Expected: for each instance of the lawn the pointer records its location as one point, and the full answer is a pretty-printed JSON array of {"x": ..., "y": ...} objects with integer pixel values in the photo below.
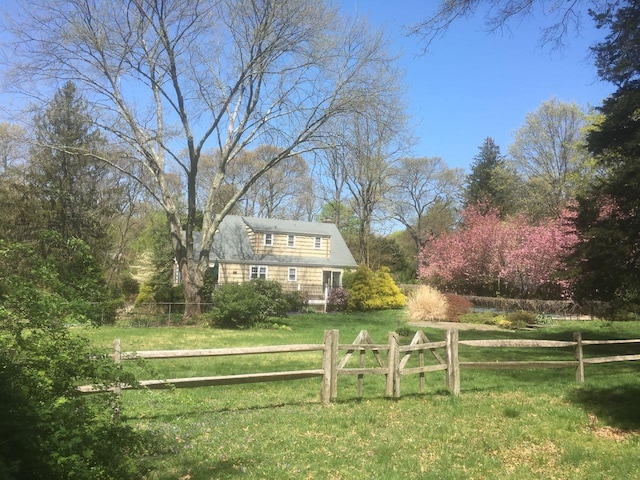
[{"x": 505, "y": 424}]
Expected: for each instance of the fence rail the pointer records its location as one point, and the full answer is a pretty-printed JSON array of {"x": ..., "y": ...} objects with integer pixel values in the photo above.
[{"x": 394, "y": 363}]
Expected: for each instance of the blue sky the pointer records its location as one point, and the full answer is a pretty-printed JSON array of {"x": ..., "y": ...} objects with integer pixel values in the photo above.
[{"x": 472, "y": 84}]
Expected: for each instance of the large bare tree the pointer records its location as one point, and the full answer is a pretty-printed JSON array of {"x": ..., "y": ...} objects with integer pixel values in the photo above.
[
  {"x": 171, "y": 78},
  {"x": 560, "y": 18},
  {"x": 421, "y": 189}
]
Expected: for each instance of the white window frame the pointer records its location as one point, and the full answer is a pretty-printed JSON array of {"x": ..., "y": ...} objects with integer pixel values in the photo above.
[
  {"x": 317, "y": 242},
  {"x": 291, "y": 241},
  {"x": 261, "y": 272},
  {"x": 293, "y": 270},
  {"x": 268, "y": 239}
]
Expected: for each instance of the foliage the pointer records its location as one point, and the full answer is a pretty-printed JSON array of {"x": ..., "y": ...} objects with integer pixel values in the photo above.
[
  {"x": 164, "y": 293},
  {"x": 244, "y": 305},
  {"x": 145, "y": 295},
  {"x": 272, "y": 300},
  {"x": 549, "y": 155},
  {"x": 427, "y": 304},
  {"x": 607, "y": 262},
  {"x": 369, "y": 290},
  {"x": 521, "y": 318},
  {"x": 297, "y": 301},
  {"x": 130, "y": 286},
  {"x": 543, "y": 319},
  {"x": 486, "y": 184},
  {"x": 488, "y": 255},
  {"x": 480, "y": 318},
  {"x": 78, "y": 194},
  {"x": 338, "y": 300},
  {"x": 456, "y": 306},
  {"x": 47, "y": 430},
  {"x": 234, "y": 305}
]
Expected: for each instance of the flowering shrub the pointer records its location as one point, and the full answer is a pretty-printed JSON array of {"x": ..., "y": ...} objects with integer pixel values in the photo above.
[{"x": 338, "y": 300}]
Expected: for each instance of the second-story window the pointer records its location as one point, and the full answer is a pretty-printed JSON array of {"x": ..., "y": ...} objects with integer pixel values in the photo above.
[
  {"x": 291, "y": 240},
  {"x": 317, "y": 243},
  {"x": 268, "y": 239}
]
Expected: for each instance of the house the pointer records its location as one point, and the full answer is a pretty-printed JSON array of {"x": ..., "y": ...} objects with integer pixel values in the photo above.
[{"x": 304, "y": 256}]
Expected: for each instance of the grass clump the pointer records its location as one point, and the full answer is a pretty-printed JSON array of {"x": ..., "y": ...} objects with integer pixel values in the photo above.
[{"x": 427, "y": 304}]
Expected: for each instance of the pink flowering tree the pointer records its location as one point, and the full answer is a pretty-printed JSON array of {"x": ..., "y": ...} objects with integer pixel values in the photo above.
[
  {"x": 488, "y": 256},
  {"x": 534, "y": 260}
]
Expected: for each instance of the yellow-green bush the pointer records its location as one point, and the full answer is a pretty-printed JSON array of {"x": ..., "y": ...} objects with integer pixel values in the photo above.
[
  {"x": 427, "y": 304},
  {"x": 369, "y": 290}
]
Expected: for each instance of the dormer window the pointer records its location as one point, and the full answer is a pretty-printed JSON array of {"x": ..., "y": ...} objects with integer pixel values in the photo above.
[
  {"x": 317, "y": 243},
  {"x": 268, "y": 239},
  {"x": 291, "y": 241}
]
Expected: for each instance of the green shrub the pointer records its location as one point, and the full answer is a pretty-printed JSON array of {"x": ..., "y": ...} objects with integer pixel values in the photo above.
[
  {"x": 145, "y": 295},
  {"x": 273, "y": 302},
  {"x": 542, "y": 319},
  {"x": 374, "y": 290},
  {"x": 244, "y": 305},
  {"x": 166, "y": 293},
  {"x": 47, "y": 430},
  {"x": 405, "y": 332},
  {"x": 130, "y": 287},
  {"x": 296, "y": 301},
  {"x": 235, "y": 306},
  {"x": 521, "y": 318},
  {"x": 479, "y": 318}
]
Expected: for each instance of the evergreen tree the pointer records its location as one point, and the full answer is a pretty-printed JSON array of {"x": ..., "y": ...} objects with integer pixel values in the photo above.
[
  {"x": 71, "y": 188},
  {"x": 608, "y": 260},
  {"x": 490, "y": 183}
]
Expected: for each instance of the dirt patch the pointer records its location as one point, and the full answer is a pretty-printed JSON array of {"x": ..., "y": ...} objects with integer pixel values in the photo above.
[{"x": 455, "y": 325}]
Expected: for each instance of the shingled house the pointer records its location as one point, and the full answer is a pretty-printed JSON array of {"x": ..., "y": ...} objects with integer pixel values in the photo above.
[{"x": 305, "y": 256}]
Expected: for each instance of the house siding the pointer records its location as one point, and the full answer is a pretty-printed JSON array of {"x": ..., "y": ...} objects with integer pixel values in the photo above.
[
  {"x": 304, "y": 245},
  {"x": 237, "y": 273}
]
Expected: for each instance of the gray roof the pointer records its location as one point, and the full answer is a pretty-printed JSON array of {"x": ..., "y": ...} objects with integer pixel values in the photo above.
[{"x": 231, "y": 243}]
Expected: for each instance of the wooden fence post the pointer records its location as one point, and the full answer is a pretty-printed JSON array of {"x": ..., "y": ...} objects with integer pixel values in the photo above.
[
  {"x": 393, "y": 361},
  {"x": 325, "y": 394},
  {"x": 117, "y": 359},
  {"x": 453, "y": 362},
  {"x": 577, "y": 337},
  {"x": 330, "y": 366}
]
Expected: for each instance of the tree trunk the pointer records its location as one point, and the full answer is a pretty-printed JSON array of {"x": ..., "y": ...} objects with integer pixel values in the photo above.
[{"x": 192, "y": 282}]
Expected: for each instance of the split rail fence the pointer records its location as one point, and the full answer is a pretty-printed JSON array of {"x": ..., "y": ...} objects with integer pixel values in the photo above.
[{"x": 337, "y": 360}]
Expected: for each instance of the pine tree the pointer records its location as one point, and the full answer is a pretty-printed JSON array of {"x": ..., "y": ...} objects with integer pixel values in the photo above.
[
  {"x": 70, "y": 187},
  {"x": 608, "y": 260},
  {"x": 490, "y": 182}
]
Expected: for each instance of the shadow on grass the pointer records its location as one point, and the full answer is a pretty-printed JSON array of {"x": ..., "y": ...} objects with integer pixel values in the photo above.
[{"x": 616, "y": 405}]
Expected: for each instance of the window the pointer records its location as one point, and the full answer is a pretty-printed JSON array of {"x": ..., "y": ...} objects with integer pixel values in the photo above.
[
  {"x": 258, "y": 271},
  {"x": 317, "y": 243},
  {"x": 268, "y": 239},
  {"x": 293, "y": 274},
  {"x": 291, "y": 240}
]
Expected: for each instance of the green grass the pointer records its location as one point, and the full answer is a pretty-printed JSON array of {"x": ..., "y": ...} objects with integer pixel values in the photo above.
[{"x": 505, "y": 424}]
